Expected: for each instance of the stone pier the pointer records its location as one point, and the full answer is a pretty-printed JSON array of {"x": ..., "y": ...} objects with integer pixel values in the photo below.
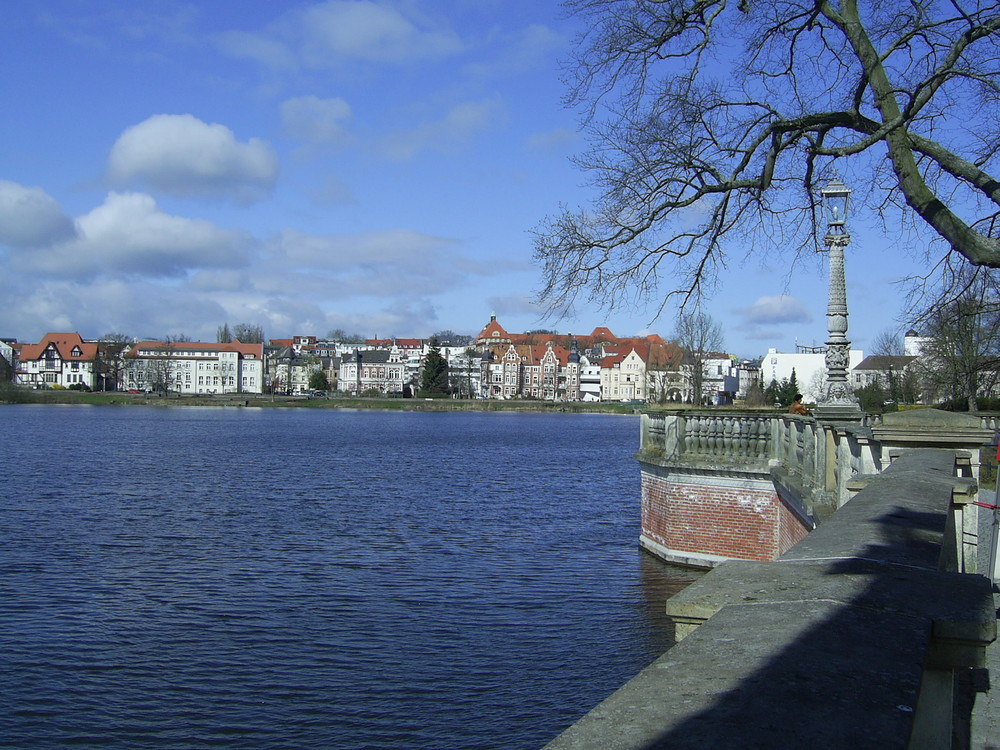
[{"x": 862, "y": 635}]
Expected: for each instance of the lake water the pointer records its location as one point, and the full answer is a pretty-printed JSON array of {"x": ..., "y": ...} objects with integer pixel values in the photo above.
[{"x": 242, "y": 578}]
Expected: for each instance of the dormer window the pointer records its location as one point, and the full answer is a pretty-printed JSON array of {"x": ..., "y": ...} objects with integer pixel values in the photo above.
[{"x": 76, "y": 351}]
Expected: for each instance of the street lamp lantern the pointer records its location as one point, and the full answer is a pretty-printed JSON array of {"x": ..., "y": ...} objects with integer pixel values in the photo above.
[
  {"x": 838, "y": 400},
  {"x": 836, "y": 196}
]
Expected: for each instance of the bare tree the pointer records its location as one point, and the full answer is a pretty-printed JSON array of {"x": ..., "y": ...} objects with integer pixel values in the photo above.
[
  {"x": 339, "y": 334},
  {"x": 663, "y": 373},
  {"x": 700, "y": 337},
  {"x": 960, "y": 360},
  {"x": 715, "y": 121},
  {"x": 110, "y": 365},
  {"x": 248, "y": 333},
  {"x": 898, "y": 371}
]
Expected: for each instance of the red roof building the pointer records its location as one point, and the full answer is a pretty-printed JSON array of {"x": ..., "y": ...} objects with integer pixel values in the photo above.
[{"x": 60, "y": 360}]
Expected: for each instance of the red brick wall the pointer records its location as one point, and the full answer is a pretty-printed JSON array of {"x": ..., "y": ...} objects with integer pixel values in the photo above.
[
  {"x": 736, "y": 521},
  {"x": 792, "y": 528}
]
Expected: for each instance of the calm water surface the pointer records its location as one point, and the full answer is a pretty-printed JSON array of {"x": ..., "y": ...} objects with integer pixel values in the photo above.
[{"x": 241, "y": 578}]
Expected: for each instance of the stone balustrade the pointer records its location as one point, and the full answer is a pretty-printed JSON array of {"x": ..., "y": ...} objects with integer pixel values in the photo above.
[{"x": 719, "y": 484}]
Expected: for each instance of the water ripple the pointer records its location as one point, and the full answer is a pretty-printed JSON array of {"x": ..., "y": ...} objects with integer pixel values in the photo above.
[{"x": 258, "y": 579}]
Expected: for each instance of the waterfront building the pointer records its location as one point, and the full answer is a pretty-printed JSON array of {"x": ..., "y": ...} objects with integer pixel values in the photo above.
[
  {"x": 623, "y": 375},
  {"x": 8, "y": 358},
  {"x": 289, "y": 370},
  {"x": 193, "y": 367},
  {"x": 464, "y": 372},
  {"x": 590, "y": 380},
  {"x": 565, "y": 367},
  {"x": 381, "y": 371},
  {"x": 534, "y": 371},
  {"x": 59, "y": 360}
]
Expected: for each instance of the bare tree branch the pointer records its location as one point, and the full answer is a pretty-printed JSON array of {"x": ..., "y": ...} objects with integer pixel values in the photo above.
[{"x": 713, "y": 123}]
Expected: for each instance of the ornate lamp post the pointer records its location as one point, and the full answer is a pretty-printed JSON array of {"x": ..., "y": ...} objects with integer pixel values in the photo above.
[{"x": 838, "y": 399}]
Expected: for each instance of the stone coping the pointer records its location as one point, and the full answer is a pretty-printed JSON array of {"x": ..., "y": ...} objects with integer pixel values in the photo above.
[{"x": 782, "y": 675}]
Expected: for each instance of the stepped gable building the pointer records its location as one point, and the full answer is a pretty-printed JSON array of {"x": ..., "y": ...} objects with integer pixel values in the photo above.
[
  {"x": 59, "y": 359},
  {"x": 546, "y": 372},
  {"x": 194, "y": 367},
  {"x": 550, "y": 366},
  {"x": 374, "y": 371}
]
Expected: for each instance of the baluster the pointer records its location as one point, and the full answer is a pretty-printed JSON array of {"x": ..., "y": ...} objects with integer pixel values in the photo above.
[
  {"x": 707, "y": 436},
  {"x": 692, "y": 435},
  {"x": 729, "y": 445},
  {"x": 718, "y": 445},
  {"x": 743, "y": 437},
  {"x": 711, "y": 436},
  {"x": 703, "y": 435}
]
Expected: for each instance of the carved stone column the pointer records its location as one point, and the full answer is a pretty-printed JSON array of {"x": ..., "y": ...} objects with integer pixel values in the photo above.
[{"x": 838, "y": 399}]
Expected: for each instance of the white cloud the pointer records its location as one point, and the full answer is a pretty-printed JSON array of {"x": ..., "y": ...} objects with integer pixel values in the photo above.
[
  {"x": 401, "y": 249},
  {"x": 128, "y": 235},
  {"x": 31, "y": 217},
  {"x": 315, "y": 120},
  {"x": 331, "y": 33},
  {"x": 776, "y": 309},
  {"x": 558, "y": 138},
  {"x": 393, "y": 263},
  {"x": 459, "y": 125},
  {"x": 181, "y": 155},
  {"x": 515, "y": 304},
  {"x": 367, "y": 31},
  {"x": 524, "y": 51},
  {"x": 270, "y": 53}
]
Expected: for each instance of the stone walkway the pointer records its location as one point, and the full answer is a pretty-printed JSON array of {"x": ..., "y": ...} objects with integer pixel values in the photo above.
[{"x": 986, "y": 711}]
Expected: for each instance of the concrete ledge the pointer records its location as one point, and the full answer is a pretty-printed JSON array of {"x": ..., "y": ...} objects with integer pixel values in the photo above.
[
  {"x": 770, "y": 676},
  {"x": 958, "y": 607},
  {"x": 681, "y": 557}
]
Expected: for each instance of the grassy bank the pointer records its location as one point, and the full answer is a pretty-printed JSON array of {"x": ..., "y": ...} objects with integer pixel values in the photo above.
[{"x": 267, "y": 402}]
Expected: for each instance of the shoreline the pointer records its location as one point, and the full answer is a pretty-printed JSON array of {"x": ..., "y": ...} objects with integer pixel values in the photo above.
[{"x": 302, "y": 402}]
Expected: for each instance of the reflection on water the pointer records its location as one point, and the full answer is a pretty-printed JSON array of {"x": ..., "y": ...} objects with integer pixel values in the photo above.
[{"x": 241, "y": 578}]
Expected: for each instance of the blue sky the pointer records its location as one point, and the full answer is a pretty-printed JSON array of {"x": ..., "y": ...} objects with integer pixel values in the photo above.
[{"x": 166, "y": 167}]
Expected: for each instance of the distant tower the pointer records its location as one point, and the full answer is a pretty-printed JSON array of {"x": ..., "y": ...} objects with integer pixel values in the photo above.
[
  {"x": 913, "y": 343},
  {"x": 574, "y": 353}
]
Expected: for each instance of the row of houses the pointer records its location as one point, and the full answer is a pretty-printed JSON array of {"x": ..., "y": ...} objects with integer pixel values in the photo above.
[{"x": 495, "y": 364}]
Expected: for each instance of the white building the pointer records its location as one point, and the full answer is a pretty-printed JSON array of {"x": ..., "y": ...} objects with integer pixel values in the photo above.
[
  {"x": 590, "y": 381},
  {"x": 913, "y": 343},
  {"x": 62, "y": 360},
  {"x": 374, "y": 371},
  {"x": 623, "y": 376},
  {"x": 809, "y": 364},
  {"x": 194, "y": 367}
]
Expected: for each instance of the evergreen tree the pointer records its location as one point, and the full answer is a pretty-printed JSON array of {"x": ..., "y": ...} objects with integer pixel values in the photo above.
[
  {"x": 791, "y": 389},
  {"x": 434, "y": 376},
  {"x": 781, "y": 393},
  {"x": 757, "y": 394},
  {"x": 318, "y": 381}
]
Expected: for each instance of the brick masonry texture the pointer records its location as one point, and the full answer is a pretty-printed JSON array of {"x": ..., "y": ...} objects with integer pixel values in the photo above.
[{"x": 752, "y": 524}]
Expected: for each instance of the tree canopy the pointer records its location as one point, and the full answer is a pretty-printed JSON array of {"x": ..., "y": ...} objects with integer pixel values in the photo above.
[{"x": 715, "y": 122}]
